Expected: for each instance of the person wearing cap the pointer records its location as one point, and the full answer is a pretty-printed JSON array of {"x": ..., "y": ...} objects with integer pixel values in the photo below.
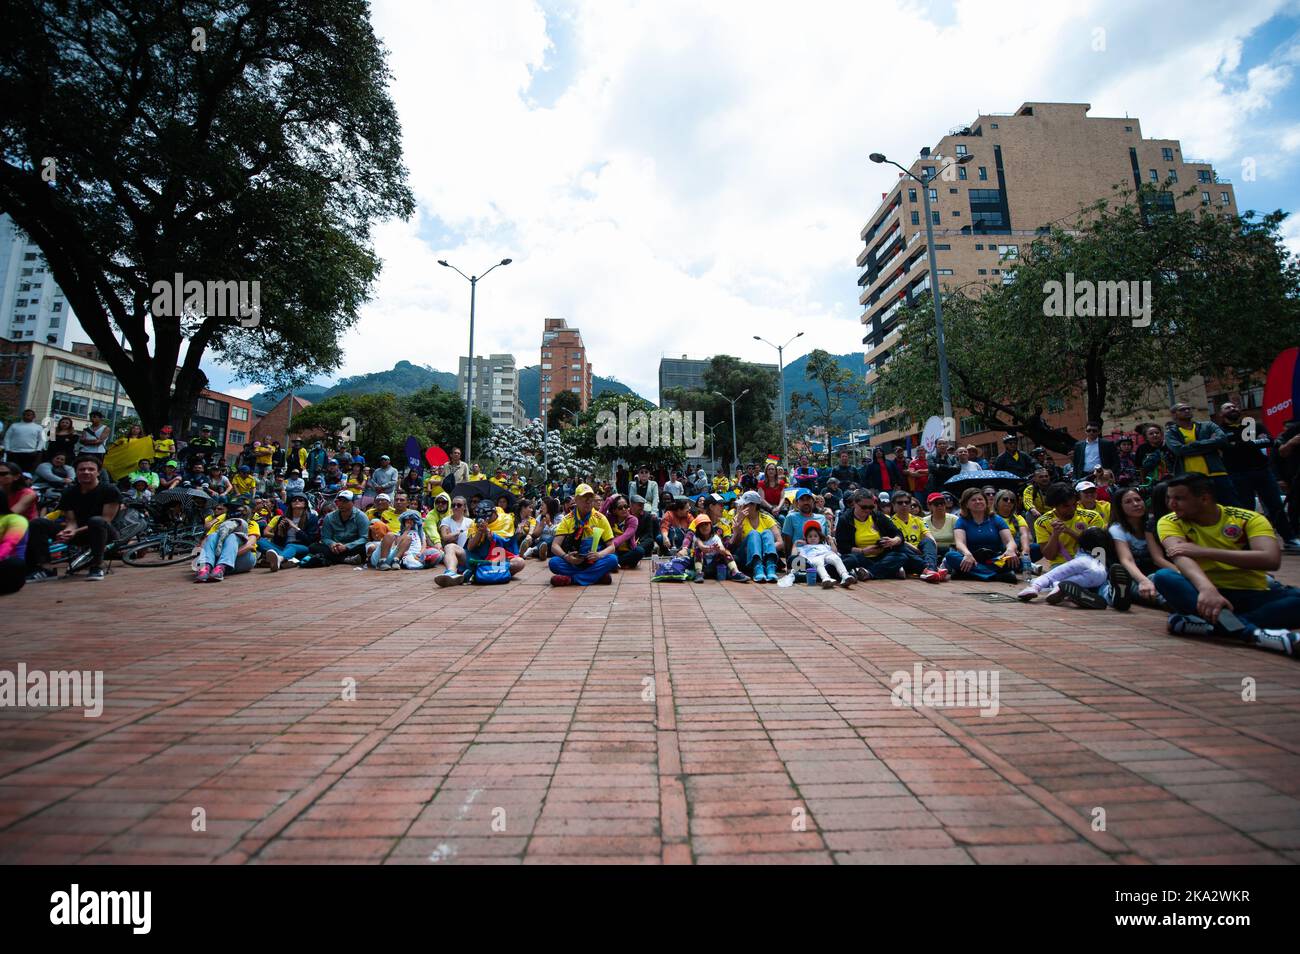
[
  {"x": 832, "y": 495},
  {"x": 203, "y": 442},
  {"x": 1012, "y": 459},
  {"x": 645, "y": 486},
  {"x": 164, "y": 446},
  {"x": 869, "y": 543},
  {"x": 1088, "y": 499},
  {"x": 939, "y": 523},
  {"x": 332, "y": 477},
  {"x": 1058, "y": 530},
  {"x": 721, "y": 482},
  {"x": 755, "y": 536},
  {"x": 812, "y": 548},
  {"x": 230, "y": 546},
  {"x": 1040, "y": 458},
  {"x": 170, "y": 476},
  {"x": 943, "y": 465},
  {"x": 343, "y": 535},
  {"x": 885, "y": 501},
  {"x": 583, "y": 549},
  {"x": 709, "y": 552},
  {"x": 647, "y": 526},
  {"x": 1093, "y": 452},
  {"x": 294, "y": 484},
  {"x": 383, "y": 479},
  {"x": 804, "y": 509},
  {"x": 245, "y": 484},
  {"x": 139, "y": 492},
  {"x": 289, "y": 536},
  {"x": 385, "y": 523}
]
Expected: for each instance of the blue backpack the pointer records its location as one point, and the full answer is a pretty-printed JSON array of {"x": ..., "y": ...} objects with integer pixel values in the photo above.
[{"x": 492, "y": 573}]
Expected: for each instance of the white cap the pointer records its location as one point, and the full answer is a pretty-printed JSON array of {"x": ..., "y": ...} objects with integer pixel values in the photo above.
[{"x": 1083, "y": 485}]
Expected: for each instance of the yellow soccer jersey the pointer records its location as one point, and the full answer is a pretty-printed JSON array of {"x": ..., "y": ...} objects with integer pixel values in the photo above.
[
  {"x": 911, "y": 527},
  {"x": 1232, "y": 531},
  {"x": 1081, "y": 521}
]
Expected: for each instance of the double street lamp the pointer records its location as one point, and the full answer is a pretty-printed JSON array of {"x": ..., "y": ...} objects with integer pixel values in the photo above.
[
  {"x": 735, "y": 455},
  {"x": 469, "y": 367},
  {"x": 925, "y": 181},
  {"x": 780, "y": 380}
]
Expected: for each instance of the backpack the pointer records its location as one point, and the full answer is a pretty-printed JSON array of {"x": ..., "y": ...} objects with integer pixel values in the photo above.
[
  {"x": 673, "y": 570},
  {"x": 492, "y": 573}
]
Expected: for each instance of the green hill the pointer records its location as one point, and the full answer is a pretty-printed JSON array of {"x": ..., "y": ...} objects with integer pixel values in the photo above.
[{"x": 796, "y": 380}]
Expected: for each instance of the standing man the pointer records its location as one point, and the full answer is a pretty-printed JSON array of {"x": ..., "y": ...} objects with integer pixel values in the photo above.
[
  {"x": 455, "y": 471},
  {"x": 943, "y": 465},
  {"x": 1196, "y": 447},
  {"x": 846, "y": 473},
  {"x": 643, "y": 486},
  {"x": 918, "y": 471},
  {"x": 1093, "y": 452},
  {"x": 1012, "y": 460},
  {"x": 204, "y": 444},
  {"x": 383, "y": 479},
  {"x": 317, "y": 458},
  {"x": 24, "y": 442},
  {"x": 1248, "y": 469}
]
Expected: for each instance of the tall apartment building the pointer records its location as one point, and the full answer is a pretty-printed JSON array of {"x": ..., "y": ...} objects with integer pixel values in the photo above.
[
  {"x": 687, "y": 372},
  {"x": 496, "y": 387},
  {"x": 56, "y": 382},
  {"x": 1029, "y": 169},
  {"x": 564, "y": 364},
  {"x": 32, "y": 306}
]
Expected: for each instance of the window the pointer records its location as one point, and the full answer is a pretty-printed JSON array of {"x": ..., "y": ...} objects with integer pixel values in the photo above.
[
  {"x": 982, "y": 271},
  {"x": 1223, "y": 198},
  {"x": 1128, "y": 128},
  {"x": 1205, "y": 198},
  {"x": 29, "y": 257},
  {"x": 76, "y": 374},
  {"x": 979, "y": 246},
  {"x": 26, "y": 272},
  {"x": 927, "y": 171},
  {"x": 916, "y": 218},
  {"x": 984, "y": 173},
  {"x": 238, "y": 413},
  {"x": 993, "y": 125},
  {"x": 934, "y": 194},
  {"x": 1153, "y": 175},
  {"x": 105, "y": 408},
  {"x": 206, "y": 407},
  {"x": 1202, "y": 175},
  {"x": 971, "y": 425},
  {"x": 961, "y": 150},
  {"x": 1167, "y": 154},
  {"x": 911, "y": 195},
  {"x": 961, "y": 172},
  {"x": 546, "y": 365},
  {"x": 934, "y": 216},
  {"x": 1009, "y": 251},
  {"x": 57, "y": 306},
  {"x": 1173, "y": 175},
  {"x": 70, "y": 405},
  {"x": 956, "y": 213},
  {"x": 943, "y": 248},
  {"x": 985, "y": 196},
  {"x": 1055, "y": 405},
  {"x": 19, "y": 319},
  {"x": 104, "y": 382},
  {"x": 236, "y": 437},
  {"x": 944, "y": 271},
  {"x": 952, "y": 191}
]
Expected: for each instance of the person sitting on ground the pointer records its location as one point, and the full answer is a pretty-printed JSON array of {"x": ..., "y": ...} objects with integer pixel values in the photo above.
[
  {"x": 288, "y": 537},
  {"x": 54, "y": 475},
  {"x": 13, "y": 544},
  {"x": 1224, "y": 555},
  {"x": 411, "y": 551},
  {"x": 538, "y": 542},
  {"x": 983, "y": 548},
  {"x": 1004, "y": 505},
  {"x": 138, "y": 493},
  {"x": 294, "y": 484},
  {"x": 674, "y": 526},
  {"x": 1089, "y": 500},
  {"x": 20, "y": 499},
  {"x": 244, "y": 484},
  {"x": 230, "y": 547},
  {"x": 343, "y": 535},
  {"x": 1077, "y": 579},
  {"x": 624, "y": 526},
  {"x": 818, "y": 555},
  {"x": 755, "y": 537},
  {"x": 144, "y": 469},
  {"x": 940, "y": 523},
  {"x": 454, "y": 530},
  {"x": 869, "y": 542},
  {"x": 917, "y": 539},
  {"x": 709, "y": 553},
  {"x": 88, "y": 507},
  {"x": 1058, "y": 530},
  {"x": 804, "y": 509},
  {"x": 1138, "y": 554},
  {"x": 1034, "y": 496},
  {"x": 583, "y": 549},
  {"x": 433, "y": 519},
  {"x": 483, "y": 545},
  {"x": 885, "y": 501}
]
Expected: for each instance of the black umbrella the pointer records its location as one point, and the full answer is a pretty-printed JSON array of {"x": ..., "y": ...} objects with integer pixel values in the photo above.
[
  {"x": 488, "y": 490},
  {"x": 1001, "y": 479}
]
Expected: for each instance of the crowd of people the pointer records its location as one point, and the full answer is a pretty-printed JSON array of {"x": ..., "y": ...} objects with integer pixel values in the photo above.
[{"x": 1168, "y": 521}]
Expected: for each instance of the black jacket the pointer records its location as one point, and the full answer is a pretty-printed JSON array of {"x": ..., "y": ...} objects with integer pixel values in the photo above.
[
  {"x": 1109, "y": 459},
  {"x": 844, "y": 529},
  {"x": 871, "y": 476},
  {"x": 1024, "y": 467}
]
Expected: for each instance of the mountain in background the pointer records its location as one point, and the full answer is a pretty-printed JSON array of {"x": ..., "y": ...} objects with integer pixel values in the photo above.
[
  {"x": 406, "y": 378},
  {"x": 796, "y": 379}
]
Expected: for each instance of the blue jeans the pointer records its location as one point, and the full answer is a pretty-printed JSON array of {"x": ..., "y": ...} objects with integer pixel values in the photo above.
[
  {"x": 760, "y": 545},
  {"x": 1277, "y": 608},
  {"x": 884, "y": 566},
  {"x": 980, "y": 571},
  {"x": 1260, "y": 483},
  {"x": 928, "y": 552},
  {"x": 230, "y": 557},
  {"x": 289, "y": 551},
  {"x": 588, "y": 573}
]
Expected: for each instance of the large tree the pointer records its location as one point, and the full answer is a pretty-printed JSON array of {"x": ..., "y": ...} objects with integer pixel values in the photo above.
[
  {"x": 1224, "y": 299},
  {"x": 592, "y": 441},
  {"x": 834, "y": 388},
  {"x": 563, "y": 410},
  {"x": 378, "y": 423},
  {"x": 221, "y": 141},
  {"x": 757, "y": 432}
]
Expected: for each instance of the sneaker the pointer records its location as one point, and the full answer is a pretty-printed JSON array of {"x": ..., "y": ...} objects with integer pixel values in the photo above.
[
  {"x": 530, "y": 553},
  {"x": 943, "y": 574},
  {"x": 738, "y": 577},
  {"x": 1081, "y": 597},
  {"x": 1027, "y": 594},
  {"x": 606, "y": 580},
  {"x": 1121, "y": 587},
  {"x": 848, "y": 581},
  {"x": 1036, "y": 569},
  {"x": 1181, "y": 625},
  {"x": 1284, "y": 641},
  {"x": 930, "y": 576},
  {"x": 202, "y": 573},
  {"x": 699, "y": 577},
  {"x": 1055, "y": 596},
  {"x": 218, "y": 574},
  {"x": 273, "y": 560},
  {"x": 40, "y": 575},
  {"x": 451, "y": 579},
  {"x": 902, "y": 573},
  {"x": 771, "y": 572},
  {"x": 862, "y": 574},
  {"x": 384, "y": 566},
  {"x": 557, "y": 580},
  {"x": 95, "y": 575},
  {"x": 358, "y": 559},
  {"x": 293, "y": 561},
  {"x": 828, "y": 584}
]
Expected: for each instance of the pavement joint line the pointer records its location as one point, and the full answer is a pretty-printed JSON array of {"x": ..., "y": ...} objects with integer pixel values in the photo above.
[{"x": 674, "y": 806}]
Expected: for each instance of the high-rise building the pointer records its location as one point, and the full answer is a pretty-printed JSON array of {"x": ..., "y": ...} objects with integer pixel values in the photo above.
[
  {"x": 496, "y": 387},
  {"x": 1029, "y": 170},
  {"x": 564, "y": 364},
  {"x": 32, "y": 307}
]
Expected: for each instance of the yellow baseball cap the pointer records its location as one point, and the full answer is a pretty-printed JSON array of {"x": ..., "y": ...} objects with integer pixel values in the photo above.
[{"x": 583, "y": 490}]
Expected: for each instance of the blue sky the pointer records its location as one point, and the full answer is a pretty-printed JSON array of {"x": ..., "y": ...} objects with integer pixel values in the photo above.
[{"x": 675, "y": 177}]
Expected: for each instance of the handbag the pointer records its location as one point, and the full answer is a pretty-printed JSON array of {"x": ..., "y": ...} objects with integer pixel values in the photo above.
[{"x": 492, "y": 573}]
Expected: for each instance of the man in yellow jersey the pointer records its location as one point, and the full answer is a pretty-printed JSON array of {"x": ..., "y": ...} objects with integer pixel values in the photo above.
[
  {"x": 1089, "y": 500},
  {"x": 1058, "y": 530},
  {"x": 920, "y": 542},
  {"x": 583, "y": 549},
  {"x": 1034, "y": 496},
  {"x": 1223, "y": 555},
  {"x": 1195, "y": 447}
]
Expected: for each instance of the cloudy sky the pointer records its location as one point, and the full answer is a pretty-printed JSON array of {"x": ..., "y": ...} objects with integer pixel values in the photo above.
[{"x": 675, "y": 177}]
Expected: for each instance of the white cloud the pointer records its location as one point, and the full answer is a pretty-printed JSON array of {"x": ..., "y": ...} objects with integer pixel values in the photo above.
[{"x": 703, "y": 178}]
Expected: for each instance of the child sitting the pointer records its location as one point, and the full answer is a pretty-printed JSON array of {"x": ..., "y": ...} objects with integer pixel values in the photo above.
[
  {"x": 707, "y": 548},
  {"x": 1078, "y": 579},
  {"x": 818, "y": 555}
]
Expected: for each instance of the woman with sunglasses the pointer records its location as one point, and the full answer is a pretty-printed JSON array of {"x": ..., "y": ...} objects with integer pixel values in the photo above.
[
  {"x": 624, "y": 525},
  {"x": 1004, "y": 505},
  {"x": 983, "y": 548},
  {"x": 870, "y": 544}
]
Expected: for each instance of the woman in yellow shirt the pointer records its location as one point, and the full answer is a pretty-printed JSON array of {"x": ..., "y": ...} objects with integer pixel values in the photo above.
[{"x": 755, "y": 537}]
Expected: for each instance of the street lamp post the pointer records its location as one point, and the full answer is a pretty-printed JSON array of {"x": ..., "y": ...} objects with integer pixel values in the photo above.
[
  {"x": 780, "y": 379},
  {"x": 713, "y": 457},
  {"x": 934, "y": 274},
  {"x": 469, "y": 368},
  {"x": 735, "y": 454}
]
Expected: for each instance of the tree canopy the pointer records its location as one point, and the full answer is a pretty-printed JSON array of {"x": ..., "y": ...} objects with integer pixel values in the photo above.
[
  {"x": 834, "y": 388},
  {"x": 223, "y": 143},
  {"x": 757, "y": 433}
]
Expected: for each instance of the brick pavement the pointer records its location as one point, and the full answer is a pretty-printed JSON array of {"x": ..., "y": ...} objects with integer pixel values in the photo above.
[{"x": 631, "y": 723}]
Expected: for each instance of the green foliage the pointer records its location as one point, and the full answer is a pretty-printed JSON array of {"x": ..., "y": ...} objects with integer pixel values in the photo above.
[
  {"x": 565, "y": 401},
  {"x": 1225, "y": 298},
  {"x": 582, "y": 437},
  {"x": 824, "y": 405},
  {"x": 443, "y": 414},
  {"x": 754, "y": 412},
  {"x": 262, "y": 153}
]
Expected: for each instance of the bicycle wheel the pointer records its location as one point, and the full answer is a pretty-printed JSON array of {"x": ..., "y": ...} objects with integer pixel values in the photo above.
[{"x": 166, "y": 550}]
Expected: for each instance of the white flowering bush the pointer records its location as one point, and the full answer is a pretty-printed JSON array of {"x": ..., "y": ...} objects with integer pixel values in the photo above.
[{"x": 520, "y": 448}]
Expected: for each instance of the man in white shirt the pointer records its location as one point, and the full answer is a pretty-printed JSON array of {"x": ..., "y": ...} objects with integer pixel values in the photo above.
[
  {"x": 24, "y": 442},
  {"x": 456, "y": 469},
  {"x": 383, "y": 480}
]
